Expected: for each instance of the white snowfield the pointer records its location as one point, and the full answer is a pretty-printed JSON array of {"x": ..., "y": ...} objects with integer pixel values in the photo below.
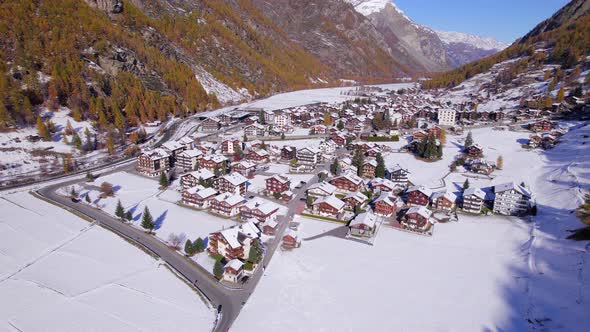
[
  {"x": 479, "y": 274},
  {"x": 484, "y": 43},
  {"x": 61, "y": 273}
]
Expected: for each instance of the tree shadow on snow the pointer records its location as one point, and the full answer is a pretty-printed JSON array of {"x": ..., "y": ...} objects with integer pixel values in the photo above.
[{"x": 160, "y": 220}]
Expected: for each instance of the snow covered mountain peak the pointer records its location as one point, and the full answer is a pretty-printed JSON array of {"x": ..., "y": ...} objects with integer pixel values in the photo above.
[
  {"x": 368, "y": 7},
  {"x": 484, "y": 43}
]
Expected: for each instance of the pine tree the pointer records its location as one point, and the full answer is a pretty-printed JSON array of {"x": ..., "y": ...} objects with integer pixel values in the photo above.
[
  {"x": 245, "y": 138},
  {"x": 500, "y": 162},
  {"x": 189, "y": 248},
  {"x": 380, "y": 170},
  {"x": 335, "y": 167},
  {"x": 69, "y": 129},
  {"x": 199, "y": 245},
  {"x": 73, "y": 193},
  {"x": 466, "y": 184},
  {"x": 340, "y": 125},
  {"x": 119, "y": 211},
  {"x": 128, "y": 215},
  {"x": 218, "y": 270},
  {"x": 76, "y": 141},
  {"x": 28, "y": 110},
  {"x": 255, "y": 254},
  {"x": 282, "y": 136},
  {"x": 87, "y": 198},
  {"x": 163, "y": 180},
  {"x": 468, "y": 140},
  {"x": 147, "y": 221},
  {"x": 261, "y": 118}
]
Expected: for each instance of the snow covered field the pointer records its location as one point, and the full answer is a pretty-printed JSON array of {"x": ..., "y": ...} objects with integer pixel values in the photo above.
[
  {"x": 480, "y": 274},
  {"x": 61, "y": 273}
]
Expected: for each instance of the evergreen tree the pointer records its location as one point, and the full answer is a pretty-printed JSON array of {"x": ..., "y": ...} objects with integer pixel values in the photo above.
[
  {"x": 128, "y": 215},
  {"x": 27, "y": 110},
  {"x": 335, "y": 167},
  {"x": 358, "y": 160},
  {"x": 500, "y": 162},
  {"x": 255, "y": 254},
  {"x": 189, "y": 248},
  {"x": 380, "y": 170},
  {"x": 119, "y": 210},
  {"x": 73, "y": 193},
  {"x": 466, "y": 184},
  {"x": 245, "y": 139},
  {"x": 282, "y": 136},
  {"x": 163, "y": 180},
  {"x": 218, "y": 270},
  {"x": 199, "y": 245},
  {"x": 340, "y": 125},
  {"x": 87, "y": 198},
  {"x": 89, "y": 177},
  {"x": 468, "y": 140},
  {"x": 261, "y": 118},
  {"x": 147, "y": 221},
  {"x": 76, "y": 141}
]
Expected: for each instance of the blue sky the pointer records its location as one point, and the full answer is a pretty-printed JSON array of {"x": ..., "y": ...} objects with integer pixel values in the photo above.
[{"x": 505, "y": 20}]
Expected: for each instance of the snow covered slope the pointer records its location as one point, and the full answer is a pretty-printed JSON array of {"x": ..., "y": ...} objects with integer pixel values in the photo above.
[
  {"x": 61, "y": 273},
  {"x": 484, "y": 43}
]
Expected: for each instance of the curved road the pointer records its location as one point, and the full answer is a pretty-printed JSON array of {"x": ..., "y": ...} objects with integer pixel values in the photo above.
[{"x": 229, "y": 300}]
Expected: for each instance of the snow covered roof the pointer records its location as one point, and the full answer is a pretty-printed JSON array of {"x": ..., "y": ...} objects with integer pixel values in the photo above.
[
  {"x": 386, "y": 198},
  {"x": 191, "y": 153},
  {"x": 235, "y": 264},
  {"x": 186, "y": 140},
  {"x": 421, "y": 210},
  {"x": 235, "y": 178},
  {"x": 367, "y": 219},
  {"x": 358, "y": 196},
  {"x": 398, "y": 168},
  {"x": 203, "y": 173},
  {"x": 207, "y": 192},
  {"x": 511, "y": 186},
  {"x": 216, "y": 158},
  {"x": 244, "y": 164},
  {"x": 383, "y": 182},
  {"x": 250, "y": 229},
  {"x": 446, "y": 194},
  {"x": 350, "y": 177},
  {"x": 422, "y": 189},
  {"x": 281, "y": 178},
  {"x": 172, "y": 145},
  {"x": 324, "y": 186},
  {"x": 156, "y": 154},
  {"x": 231, "y": 236},
  {"x": 475, "y": 191},
  {"x": 331, "y": 200},
  {"x": 264, "y": 206},
  {"x": 231, "y": 199}
]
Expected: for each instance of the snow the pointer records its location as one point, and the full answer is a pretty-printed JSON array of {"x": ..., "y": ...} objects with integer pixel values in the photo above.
[
  {"x": 485, "y": 43},
  {"x": 481, "y": 273},
  {"x": 225, "y": 94},
  {"x": 61, "y": 273},
  {"x": 368, "y": 7}
]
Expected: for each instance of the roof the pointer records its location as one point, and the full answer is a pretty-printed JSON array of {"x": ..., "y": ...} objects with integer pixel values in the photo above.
[
  {"x": 264, "y": 206},
  {"x": 383, "y": 182},
  {"x": 474, "y": 191},
  {"x": 231, "y": 199},
  {"x": 235, "y": 264},
  {"x": 191, "y": 153},
  {"x": 331, "y": 200},
  {"x": 244, "y": 164},
  {"x": 422, "y": 189},
  {"x": 360, "y": 197},
  {"x": 207, "y": 192},
  {"x": 156, "y": 154},
  {"x": 203, "y": 173},
  {"x": 172, "y": 145},
  {"x": 281, "y": 178},
  {"x": 398, "y": 168},
  {"x": 216, "y": 158},
  {"x": 350, "y": 177},
  {"x": 386, "y": 198},
  {"x": 367, "y": 219},
  {"x": 235, "y": 178},
  {"x": 186, "y": 140},
  {"x": 511, "y": 186},
  {"x": 250, "y": 229},
  {"x": 421, "y": 210},
  {"x": 324, "y": 186},
  {"x": 446, "y": 194}
]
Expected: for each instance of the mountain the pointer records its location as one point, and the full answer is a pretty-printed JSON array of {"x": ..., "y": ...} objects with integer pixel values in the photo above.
[
  {"x": 421, "y": 48},
  {"x": 463, "y": 47},
  {"x": 561, "y": 41}
]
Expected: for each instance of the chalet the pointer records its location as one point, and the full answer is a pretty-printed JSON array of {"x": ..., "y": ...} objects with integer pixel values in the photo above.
[
  {"x": 258, "y": 156},
  {"x": 329, "y": 206},
  {"x": 482, "y": 166},
  {"x": 355, "y": 199},
  {"x": 542, "y": 126},
  {"x": 198, "y": 196},
  {"x": 260, "y": 210},
  {"x": 291, "y": 239},
  {"x": 398, "y": 175},
  {"x": 188, "y": 159},
  {"x": 474, "y": 151},
  {"x": 288, "y": 152},
  {"x": 187, "y": 142},
  {"x": 193, "y": 179},
  {"x": 227, "y": 204},
  {"x": 373, "y": 152},
  {"x": 234, "y": 242},
  {"x": 282, "y": 119},
  {"x": 173, "y": 148},
  {"x": 214, "y": 162},
  {"x": 435, "y": 131},
  {"x": 385, "y": 205},
  {"x": 419, "y": 135},
  {"x": 379, "y": 185},
  {"x": 511, "y": 199},
  {"x": 318, "y": 130},
  {"x": 255, "y": 129},
  {"x": 234, "y": 183},
  {"x": 321, "y": 189},
  {"x": 348, "y": 182},
  {"x": 339, "y": 140},
  {"x": 473, "y": 199},
  {"x": 344, "y": 163},
  {"x": 369, "y": 167},
  {"x": 328, "y": 147},
  {"x": 244, "y": 167},
  {"x": 233, "y": 271},
  {"x": 417, "y": 218},
  {"x": 277, "y": 184},
  {"x": 210, "y": 125},
  {"x": 153, "y": 162},
  {"x": 443, "y": 201},
  {"x": 419, "y": 195},
  {"x": 364, "y": 225},
  {"x": 286, "y": 196},
  {"x": 309, "y": 156},
  {"x": 269, "y": 227},
  {"x": 231, "y": 146}
]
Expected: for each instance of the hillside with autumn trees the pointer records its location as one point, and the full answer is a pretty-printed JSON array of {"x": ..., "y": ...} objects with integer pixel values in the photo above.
[{"x": 563, "y": 40}]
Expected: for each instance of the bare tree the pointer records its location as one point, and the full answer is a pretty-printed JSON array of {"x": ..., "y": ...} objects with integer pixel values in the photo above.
[
  {"x": 106, "y": 190},
  {"x": 176, "y": 239}
]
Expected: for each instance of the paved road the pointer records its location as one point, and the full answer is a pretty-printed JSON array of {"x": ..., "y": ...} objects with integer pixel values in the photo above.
[{"x": 230, "y": 300}]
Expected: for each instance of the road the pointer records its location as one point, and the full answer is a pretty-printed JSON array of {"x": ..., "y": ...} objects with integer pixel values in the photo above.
[{"x": 230, "y": 300}]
